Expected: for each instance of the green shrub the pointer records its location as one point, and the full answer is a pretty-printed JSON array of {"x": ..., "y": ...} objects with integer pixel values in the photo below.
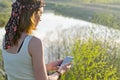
[
  {"x": 3, "y": 19},
  {"x": 106, "y": 19},
  {"x": 90, "y": 62},
  {"x": 5, "y": 4},
  {"x": 2, "y": 76}
]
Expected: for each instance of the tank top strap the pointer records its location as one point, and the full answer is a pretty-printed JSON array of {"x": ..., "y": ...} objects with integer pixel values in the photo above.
[
  {"x": 24, "y": 48},
  {"x": 27, "y": 40}
]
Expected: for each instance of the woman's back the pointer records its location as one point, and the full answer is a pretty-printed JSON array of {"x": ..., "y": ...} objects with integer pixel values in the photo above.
[
  {"x": 19, "y": 66},
  {"x": 23, "y": 56}
]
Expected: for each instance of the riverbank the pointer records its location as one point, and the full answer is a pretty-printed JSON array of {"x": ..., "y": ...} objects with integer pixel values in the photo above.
[{"x": 104, "y": 14}]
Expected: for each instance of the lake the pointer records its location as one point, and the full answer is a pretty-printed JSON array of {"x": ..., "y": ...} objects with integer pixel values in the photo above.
[{"x": 51, "y": 23}]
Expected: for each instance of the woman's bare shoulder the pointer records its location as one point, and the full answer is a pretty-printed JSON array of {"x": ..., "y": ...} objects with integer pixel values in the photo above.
[
  {"x": 35, "y": 40},
  {"x": 35, "y": 45}
]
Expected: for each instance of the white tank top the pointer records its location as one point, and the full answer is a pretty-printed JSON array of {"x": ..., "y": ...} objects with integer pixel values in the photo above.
[{"x": 19, "y": 66}]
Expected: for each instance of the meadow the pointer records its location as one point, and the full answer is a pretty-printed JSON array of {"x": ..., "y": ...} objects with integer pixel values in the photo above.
[
  {"x": 94, "y": 59},
  {"x": 89, "y": 10}
]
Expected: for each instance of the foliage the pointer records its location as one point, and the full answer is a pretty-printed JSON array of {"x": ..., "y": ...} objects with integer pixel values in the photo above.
[
  {"x": 109, "y": 20},
  {"x": 1, "y": 66},
  {"x": 5, "y": 7},
  {"x": 115, "y": 60},
  {"x": 71, "y": 11},
  {"x": 91, "y": 1},
  {"x": 5, "y": 3},
  {"x": 92, "y": 59},
  {"x": 3, "y": 19},
  {"x": 97, "y": 13},
  {"x": 90, "y": 62},
  {"x": 90, "y": 56},
  {"x": 99, "y": 1}
]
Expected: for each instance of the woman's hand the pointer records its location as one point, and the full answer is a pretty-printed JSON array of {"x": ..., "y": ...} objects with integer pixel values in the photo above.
[
  {"x": 64, "y": 68},
  {"x": 53, "y": 65}
]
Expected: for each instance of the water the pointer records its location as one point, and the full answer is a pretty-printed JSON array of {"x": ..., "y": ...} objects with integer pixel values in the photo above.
[{"x": 51, "y": 22}]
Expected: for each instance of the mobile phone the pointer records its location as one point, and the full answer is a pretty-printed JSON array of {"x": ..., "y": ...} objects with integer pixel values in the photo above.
[{"x": 67, "y": 60}]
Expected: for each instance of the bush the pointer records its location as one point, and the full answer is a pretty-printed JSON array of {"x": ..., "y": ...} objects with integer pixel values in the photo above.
[
  {"x": 90, "y": 62},
  {"x": 1, "y": 66},
  {"x": 5, "y": 4},
  {"x": 106, "y": 19},
  {"x": 3, "y": 19}
]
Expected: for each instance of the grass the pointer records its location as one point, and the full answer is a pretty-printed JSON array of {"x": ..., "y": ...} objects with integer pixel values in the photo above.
[
  {"x": 75, "y": 9},
  {"x": 1, "y": 77},
  {"x": 90, "y": 62},
  {"x": 94, "y": 58},
  {"x": 85, "y": 52}
]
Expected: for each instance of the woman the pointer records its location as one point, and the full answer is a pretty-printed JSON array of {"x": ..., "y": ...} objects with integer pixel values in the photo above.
[{"x": 23, "y": 53}]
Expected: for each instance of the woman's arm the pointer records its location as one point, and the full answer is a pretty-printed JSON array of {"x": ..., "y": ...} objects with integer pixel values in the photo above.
[
  {"x": 36, "y": 51},
  {"x": 39, "y": 67}
]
